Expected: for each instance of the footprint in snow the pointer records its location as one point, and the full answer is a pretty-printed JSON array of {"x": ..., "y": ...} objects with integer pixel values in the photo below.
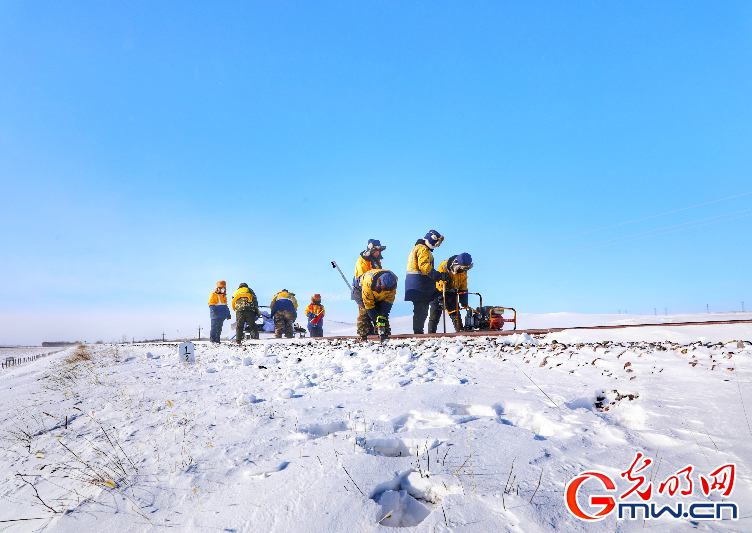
[{"x": 412, "y": 496}]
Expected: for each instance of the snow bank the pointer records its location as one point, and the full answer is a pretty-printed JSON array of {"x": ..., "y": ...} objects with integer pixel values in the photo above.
[{"x": 333, "y": 435}]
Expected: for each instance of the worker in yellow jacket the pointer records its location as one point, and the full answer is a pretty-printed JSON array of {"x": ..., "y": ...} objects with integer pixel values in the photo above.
[
  {"x": 420, "y": 282},
  {"x": 284, "y": 312},
  {"x": 456, "y": 268},
  {"x": 218, "y": 311},
  {"x": 376, "y": 290},
  {"x": 315, "y": 314},
  {"x": 245, "y": 305},
  {"x": 369, "y": 259}
]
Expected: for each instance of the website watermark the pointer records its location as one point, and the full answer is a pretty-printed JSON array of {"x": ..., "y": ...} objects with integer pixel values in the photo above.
[{"x": 681, "y": 486}]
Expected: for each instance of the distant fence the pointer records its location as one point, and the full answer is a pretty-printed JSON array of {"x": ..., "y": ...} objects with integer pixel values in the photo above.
[{"x": 13, "y": 361}]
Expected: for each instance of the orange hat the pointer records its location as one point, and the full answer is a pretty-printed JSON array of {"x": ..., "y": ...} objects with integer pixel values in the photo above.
[
  {"x": 315, "y": 298},
  {"x": 221, "y": 284}
]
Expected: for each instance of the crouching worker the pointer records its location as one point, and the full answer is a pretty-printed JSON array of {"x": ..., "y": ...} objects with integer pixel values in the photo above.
[
  {"x": 218, "y": 311},
  {"x": 369, "y": 259},
  {"x": 456, "y": 268},
  {"x": 315, "y": 314},
  {"x": 378, "y": 289},
  {"x": 245, "y": 305},
  {"x": 284, "y": 312}
]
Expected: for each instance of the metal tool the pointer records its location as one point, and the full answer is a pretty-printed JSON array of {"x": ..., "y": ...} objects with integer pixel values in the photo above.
[
  {"x": 334, "y": 265},
  {"x": 381, "y": 327}
]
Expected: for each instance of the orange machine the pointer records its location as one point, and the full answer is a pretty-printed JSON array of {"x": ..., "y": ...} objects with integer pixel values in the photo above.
[{"x": 482, "y": 318}]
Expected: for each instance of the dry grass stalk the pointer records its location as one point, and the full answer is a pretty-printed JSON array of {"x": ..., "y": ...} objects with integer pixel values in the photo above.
[
  {"x": 742, "y": 399},
  {"x": 36, "y": 492},
  {"x": 68, "y": 372},
  {"x": 351, "y": 479},
  {"x": 536, "y": 488},
  {"x": 25, "y": 429},
  {"x": 507, "y": 484},
  {"x": 81, "y": 353},
  {"x": 377, "y": 523}
]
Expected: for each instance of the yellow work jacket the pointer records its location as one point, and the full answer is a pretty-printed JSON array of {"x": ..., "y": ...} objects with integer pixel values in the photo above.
[
  {"x": 244, "y": 292},
  {"x": 370, "y": 297},
  {"x": 457, "y": 282},
  {"x": 316, "y": 309},
  {"x": 420, "y": 260},
  {"x": 217, "y": 299},
  {"x": 364, "y": 265},
  {"x": 284, "y": 295}
]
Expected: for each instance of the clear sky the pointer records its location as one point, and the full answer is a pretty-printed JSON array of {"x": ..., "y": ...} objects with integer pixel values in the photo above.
[{"x": 150, "y": 149}]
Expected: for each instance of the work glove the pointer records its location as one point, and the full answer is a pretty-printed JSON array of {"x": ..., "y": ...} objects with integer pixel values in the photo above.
[
  {"x": 463, "y": 299},
  {"x": 443, "y": 276}
]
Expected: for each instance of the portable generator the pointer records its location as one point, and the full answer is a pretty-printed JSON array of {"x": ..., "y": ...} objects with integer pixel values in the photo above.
[
  {"x": 296, "y": 328},
  {"x": 484, "y": 317}
]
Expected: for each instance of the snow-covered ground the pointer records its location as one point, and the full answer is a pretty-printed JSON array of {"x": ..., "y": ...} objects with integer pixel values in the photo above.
[{"x": 454, "y": 434}]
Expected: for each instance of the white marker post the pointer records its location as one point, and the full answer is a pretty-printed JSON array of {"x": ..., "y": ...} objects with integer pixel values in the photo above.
[{"x": 185, "y": 352}]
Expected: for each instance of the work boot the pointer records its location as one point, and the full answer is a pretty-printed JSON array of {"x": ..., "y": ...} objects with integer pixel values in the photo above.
[{"x": 364, "y": 337}]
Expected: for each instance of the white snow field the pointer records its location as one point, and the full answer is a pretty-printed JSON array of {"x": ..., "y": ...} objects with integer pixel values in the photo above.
[
  {"x": 477, "y": 434},
  {"x": 19, "y": 352}
]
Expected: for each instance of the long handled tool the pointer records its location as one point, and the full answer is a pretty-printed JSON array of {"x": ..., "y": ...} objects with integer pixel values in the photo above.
[
  {"x": 334, "y": 265},
  {"x": 444, "y": 310}
]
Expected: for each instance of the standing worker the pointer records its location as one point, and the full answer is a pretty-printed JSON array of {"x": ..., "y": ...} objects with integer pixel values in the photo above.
[
  {"x": 376, "y": 290},
  {"x": 315, "y": 314},
  {"x": 420, "y": 283},
  {"x": 218, "y": 311},
  {"x": 369, "y": 259},
  {"x": 284, "y": 312},
  {"x": 456, "y": 267},
  {"x": 245, "y": 305}
]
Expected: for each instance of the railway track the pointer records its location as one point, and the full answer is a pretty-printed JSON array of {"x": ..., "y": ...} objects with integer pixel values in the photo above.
[
  {"x": 541, "y": 331},
  {"x": 497, "y": 333}
]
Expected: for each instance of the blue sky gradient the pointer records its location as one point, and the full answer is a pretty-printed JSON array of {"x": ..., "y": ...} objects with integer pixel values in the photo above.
[{"x": 147, "y": 151}]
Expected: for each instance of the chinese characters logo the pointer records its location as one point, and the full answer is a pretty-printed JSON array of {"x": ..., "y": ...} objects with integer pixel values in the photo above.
[{"x": 678, "y": 485}]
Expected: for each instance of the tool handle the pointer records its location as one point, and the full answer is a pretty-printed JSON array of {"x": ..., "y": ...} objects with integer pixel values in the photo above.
[{"x": 334, "y": 265}]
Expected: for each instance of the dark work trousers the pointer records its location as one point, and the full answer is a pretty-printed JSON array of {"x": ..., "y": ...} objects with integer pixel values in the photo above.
[
  {"x": 283, "y": 321},
  {"x": 387, "y": 327},
  {"x": 420, "y": 313},
  {"x": 317, "y": 331},
  {"x": 437, "y": 306},
  {"x": 216, "y": 329},
  {"x": 245, "y": 317}
]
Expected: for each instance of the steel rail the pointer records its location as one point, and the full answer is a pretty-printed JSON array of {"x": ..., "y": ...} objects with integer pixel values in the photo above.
[{"x": 504, "y": 333}]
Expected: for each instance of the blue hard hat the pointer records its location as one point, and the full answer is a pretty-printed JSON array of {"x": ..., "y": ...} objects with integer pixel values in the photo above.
[
  {"x": 386, "y": 281},
  {"x": 464, "y": 259},
  {"x": 461, "y": 263},
  {"x": 434, "y": 237}
]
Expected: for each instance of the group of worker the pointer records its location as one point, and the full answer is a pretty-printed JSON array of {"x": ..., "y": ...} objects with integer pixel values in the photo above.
[
  {"x": 374, "y": 289},
  {"x": 284, "y": 312}
]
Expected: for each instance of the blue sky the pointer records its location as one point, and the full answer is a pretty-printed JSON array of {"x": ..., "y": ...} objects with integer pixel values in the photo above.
[{"x": 147, "y": 151}]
